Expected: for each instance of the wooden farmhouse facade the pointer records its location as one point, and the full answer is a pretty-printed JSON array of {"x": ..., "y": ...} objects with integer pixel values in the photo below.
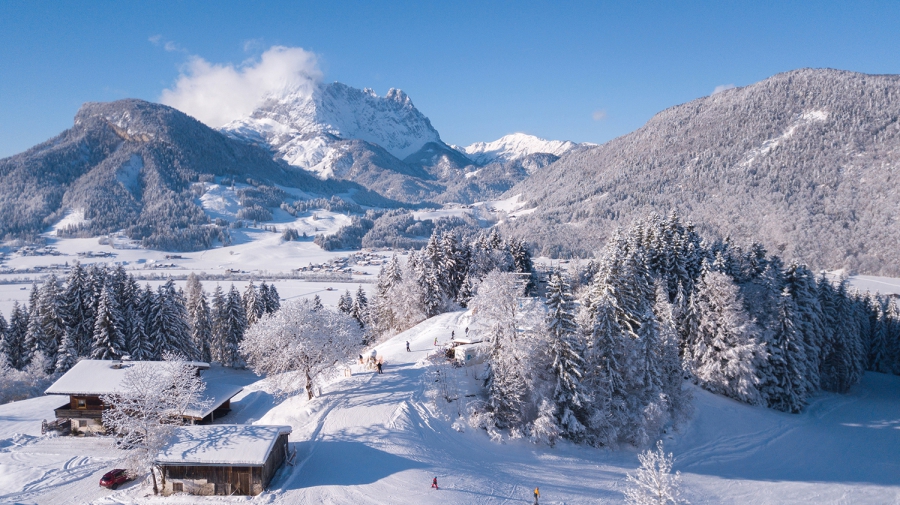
[
  {"x": 223, "y": 459},
  {"x": 90, "y": 379}
]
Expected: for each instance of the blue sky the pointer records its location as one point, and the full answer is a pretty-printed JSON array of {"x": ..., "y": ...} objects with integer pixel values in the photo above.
[{"x": 582, "y": 71}]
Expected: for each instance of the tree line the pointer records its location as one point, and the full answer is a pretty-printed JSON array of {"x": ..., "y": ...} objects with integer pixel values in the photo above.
[
  {"x": 103, "y": 313},
  {"x": 602, "y": 355}
]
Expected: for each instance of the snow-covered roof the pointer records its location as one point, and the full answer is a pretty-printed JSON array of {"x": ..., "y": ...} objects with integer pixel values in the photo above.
[
  {"x": 102, "y": 377},
  {"x": 218, "y": 393},
  {"x": 99, "y": 376},
  {"x": 221, "y": 444}
]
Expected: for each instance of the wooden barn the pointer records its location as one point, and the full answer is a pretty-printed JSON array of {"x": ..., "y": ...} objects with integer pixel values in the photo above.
[
  {"x": 89, "y": 379},
  {"x": 223, "y": 459}
]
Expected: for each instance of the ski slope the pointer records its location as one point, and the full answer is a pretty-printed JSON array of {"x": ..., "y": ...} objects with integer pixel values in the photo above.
[{"x": 380, "y": 439}]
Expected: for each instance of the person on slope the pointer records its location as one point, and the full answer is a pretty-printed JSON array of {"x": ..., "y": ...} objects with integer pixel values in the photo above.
[
  {"x": 407, "y": 346},
  {"x": 537, "y": 494},
  {"x": 379, "y": 365},
  {"x": 434, "y": 483},
  {"x": 435, "y": 340}
]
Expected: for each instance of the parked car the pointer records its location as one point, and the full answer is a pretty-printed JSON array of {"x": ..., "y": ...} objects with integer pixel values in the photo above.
[{"x": 113, "y": 478}]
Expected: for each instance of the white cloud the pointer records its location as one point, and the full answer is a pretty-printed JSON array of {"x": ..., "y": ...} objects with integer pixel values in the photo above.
[
  {"x": 722, "y": 87},
  {"x": 168, "y": 45},
  {"x": 218, "y": 93},
  {"x": 599, "y": 115}
]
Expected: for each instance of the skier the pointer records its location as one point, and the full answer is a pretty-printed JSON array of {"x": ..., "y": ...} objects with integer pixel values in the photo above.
[
  {"x": 407, "y": 346},
  {"x": 537, "y": 494},
  {"x": 435, "y": 340},
  {"x": 378, "y": 365},
  {"x": 434, "y": 483},
  {"x": 452, "y": 334},
  {"x": 467, "y": 331}
]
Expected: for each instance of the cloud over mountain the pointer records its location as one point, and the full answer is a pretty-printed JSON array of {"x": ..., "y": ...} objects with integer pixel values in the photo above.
[{"x": 218, "y": 93}]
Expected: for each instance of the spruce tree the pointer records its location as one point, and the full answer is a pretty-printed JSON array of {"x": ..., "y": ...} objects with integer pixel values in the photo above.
[
  {"x": 201, "y": 326},
  {"x": 218, "y": 315},
  {"x": 726, "y": 353},
  {"x": 14, "y": 340},
  {"x": 109, "y": 341},
  {"x": 169, "y": 330},
  {"x": 785, "y": 389},
  {"x": 67, "y": 355},
  {"x": 360, "y": 309},
  {"x": 235, "y": 324},
  {"x": 567, "y": 363},
  {"x": 254, "y": 306},
  {"x": 78, "y": 311},
  {"x": 345, "y": 304}
]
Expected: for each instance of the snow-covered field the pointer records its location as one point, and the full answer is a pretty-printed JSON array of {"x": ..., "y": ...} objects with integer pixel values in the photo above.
[{"x": 381, "y": 438}]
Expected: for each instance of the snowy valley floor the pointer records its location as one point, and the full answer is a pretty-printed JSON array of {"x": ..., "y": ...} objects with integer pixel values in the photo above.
[{"x": 381, "y": 438}]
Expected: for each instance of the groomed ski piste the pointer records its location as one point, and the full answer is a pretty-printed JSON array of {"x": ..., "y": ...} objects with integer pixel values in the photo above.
[{"x": 380, "y": 439}]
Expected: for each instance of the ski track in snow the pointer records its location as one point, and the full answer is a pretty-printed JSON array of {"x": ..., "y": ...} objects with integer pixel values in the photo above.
[{"x": 379, "y": 439}]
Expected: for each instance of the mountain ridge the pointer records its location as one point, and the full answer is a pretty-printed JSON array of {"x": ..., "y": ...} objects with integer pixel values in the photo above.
[{"x": 806, "y": 159}]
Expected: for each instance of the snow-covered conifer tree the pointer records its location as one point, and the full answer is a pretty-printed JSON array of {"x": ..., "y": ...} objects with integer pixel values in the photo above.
[
  {"x": 345, "y": 303},
  {"x": 14, "y": 338},
  {"x": 79, "y": 316},
  {"x": 495, "y": 306},
  {"x": 566, "y": 355},
  {"x": 109, "y": 341},
  {"x": 254, "y": 305},
  {"x": 218, "y": 315},
  {"x": 360, "y": 309},
  {"x": 201, "y": 325},
  {"x": 726, "y": 353},
  {"x": 785, "y": 389},
  {"x": 234, "y": 326},
  {"x": 67, "y": 355}
]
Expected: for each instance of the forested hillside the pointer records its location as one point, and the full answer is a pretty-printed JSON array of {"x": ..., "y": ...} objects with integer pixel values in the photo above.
[
  {"x": 806, "y": 162},
  {"x": 130, "y": 165}
]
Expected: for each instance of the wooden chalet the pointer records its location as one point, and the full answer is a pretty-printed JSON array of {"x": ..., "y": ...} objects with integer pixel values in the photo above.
[
  {"x": 89, "y": 379},
  {"x": 223, "y": 459}
]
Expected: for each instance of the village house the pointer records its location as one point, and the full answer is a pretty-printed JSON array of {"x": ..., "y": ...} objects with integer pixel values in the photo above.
[
  {"x": 89, "y": 379},
  {"x": 223, "y": 459}
]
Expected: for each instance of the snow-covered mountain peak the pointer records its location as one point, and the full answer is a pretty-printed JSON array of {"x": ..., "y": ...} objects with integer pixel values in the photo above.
[
  {"x": 515, "y": 146},
  {"x": 300, "y": 125}
]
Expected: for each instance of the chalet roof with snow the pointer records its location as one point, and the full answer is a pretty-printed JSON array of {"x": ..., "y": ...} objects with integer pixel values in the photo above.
[
  {"x": 221, "y": 444},
  {"x": 95, "y": 377}
]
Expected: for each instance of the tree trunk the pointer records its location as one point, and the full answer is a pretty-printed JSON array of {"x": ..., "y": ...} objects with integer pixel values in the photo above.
[
  {"x": 309, "y": 386},
  {"x": 153, "y": 474}
]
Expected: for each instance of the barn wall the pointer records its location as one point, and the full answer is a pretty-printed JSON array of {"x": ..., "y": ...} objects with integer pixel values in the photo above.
[{"x": 210, "y": 480}]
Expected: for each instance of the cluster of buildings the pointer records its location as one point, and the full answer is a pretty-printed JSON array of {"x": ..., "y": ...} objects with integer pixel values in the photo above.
[{"x": 202, "y": 458}]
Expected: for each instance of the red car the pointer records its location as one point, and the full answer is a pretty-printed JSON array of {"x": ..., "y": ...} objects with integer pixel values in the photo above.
[{"x": 113, "y": 478}]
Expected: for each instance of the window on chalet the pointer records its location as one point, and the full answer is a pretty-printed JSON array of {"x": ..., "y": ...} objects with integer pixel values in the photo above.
[{"x": 81, "y": 404}]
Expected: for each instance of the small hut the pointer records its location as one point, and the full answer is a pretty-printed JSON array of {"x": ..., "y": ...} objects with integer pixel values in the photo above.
[{"x": 223, "y": 459}]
